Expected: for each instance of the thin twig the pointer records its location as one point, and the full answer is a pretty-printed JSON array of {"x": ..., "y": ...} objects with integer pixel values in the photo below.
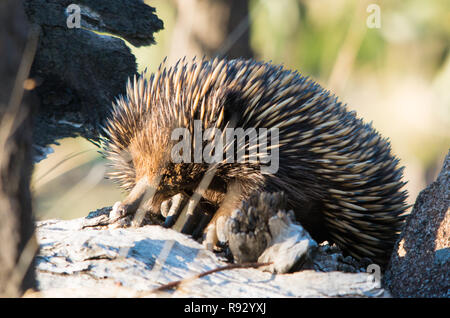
[{"x": 177, "y": 283}]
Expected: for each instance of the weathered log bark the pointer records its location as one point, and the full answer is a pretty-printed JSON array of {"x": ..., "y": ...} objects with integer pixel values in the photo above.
[{"x": 134, "y": 262}]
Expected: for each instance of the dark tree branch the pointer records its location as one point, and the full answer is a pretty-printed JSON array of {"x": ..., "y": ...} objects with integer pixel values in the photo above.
[{"x": 80, "y": 72}]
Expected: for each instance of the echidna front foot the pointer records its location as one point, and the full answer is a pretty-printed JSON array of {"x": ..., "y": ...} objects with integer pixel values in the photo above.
[
  {"x": 115, "y": 217},
  {"x": 135, "y": 210},
  {"x": 262, "y": 231},
  {"x": 120, "y": 216},
  {"x": 171, "y": 208},
  {"x": 108, "y": 217}
]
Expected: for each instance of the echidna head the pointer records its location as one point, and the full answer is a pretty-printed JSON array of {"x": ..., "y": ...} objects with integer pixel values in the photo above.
[
  {"x": 143, "y": 137},
  {"x": 146, "y": 164}
]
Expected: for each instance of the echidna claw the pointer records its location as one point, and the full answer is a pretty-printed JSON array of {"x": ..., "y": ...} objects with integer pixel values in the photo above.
[
  {"x": 210, "y": 240},
  {"x": 118, "y": 211},
  {"x": 115, "y": 217}
]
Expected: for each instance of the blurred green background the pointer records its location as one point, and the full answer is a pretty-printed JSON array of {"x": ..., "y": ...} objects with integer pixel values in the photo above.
[{"x": 397, "y": 75}]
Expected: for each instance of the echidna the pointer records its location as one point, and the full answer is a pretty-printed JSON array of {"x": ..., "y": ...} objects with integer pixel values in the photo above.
[{"x": 337, "y": 172}]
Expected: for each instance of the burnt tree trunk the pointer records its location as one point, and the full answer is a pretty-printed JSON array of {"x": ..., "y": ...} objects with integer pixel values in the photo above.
[
  {"x": 81, "y": 72},
  {"x": 69, "y": 89},
  {"x": 16, "y": 219}
]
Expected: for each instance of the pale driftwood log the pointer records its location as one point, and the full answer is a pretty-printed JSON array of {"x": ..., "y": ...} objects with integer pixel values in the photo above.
[{"x": 132, "y": 262}]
